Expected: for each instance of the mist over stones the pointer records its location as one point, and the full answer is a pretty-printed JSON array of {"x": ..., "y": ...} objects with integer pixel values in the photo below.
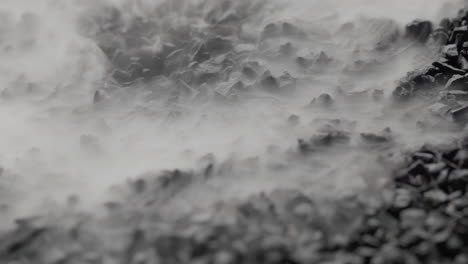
[{"x": 298, "y": 201}]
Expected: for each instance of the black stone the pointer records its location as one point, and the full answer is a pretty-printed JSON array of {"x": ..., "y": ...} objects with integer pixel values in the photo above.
[{"x": 419, "y": 30}]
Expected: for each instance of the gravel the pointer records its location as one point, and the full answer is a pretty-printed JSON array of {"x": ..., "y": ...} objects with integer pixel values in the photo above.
[{"x": 420, "y": 217}]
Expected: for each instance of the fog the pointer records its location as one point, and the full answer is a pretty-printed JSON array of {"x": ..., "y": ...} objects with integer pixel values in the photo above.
[{"x": 55, "y": 142}]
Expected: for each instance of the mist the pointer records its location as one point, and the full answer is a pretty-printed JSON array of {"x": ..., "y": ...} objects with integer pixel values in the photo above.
[{"x": 56, "y": 141}]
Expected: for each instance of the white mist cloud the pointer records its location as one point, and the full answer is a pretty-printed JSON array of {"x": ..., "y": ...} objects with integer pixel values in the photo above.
[{"x": 49, "y": 71}]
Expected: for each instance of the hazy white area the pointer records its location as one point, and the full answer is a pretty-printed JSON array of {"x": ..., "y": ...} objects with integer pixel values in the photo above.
[{"x": 49, "y": 71}]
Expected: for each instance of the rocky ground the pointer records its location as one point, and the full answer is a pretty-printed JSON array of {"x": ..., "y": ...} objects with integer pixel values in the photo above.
[{"x": 414, "y": 211}]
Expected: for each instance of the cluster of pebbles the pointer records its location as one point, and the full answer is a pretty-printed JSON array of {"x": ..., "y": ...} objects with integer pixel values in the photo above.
[
  {"x": 421, "y": 216},
  {"x": 446, "y": 78},
  {"x": 219, "y": 53}
]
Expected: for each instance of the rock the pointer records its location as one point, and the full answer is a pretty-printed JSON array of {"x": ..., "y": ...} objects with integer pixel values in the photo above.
[
  {"x": 377, "y": 94},
  {"x": 269, "y": 83},
  {"x": 424, "y": 156},
  {"x": 374, "y": 138},
  {"x": 270, "y": 31},
  {"x": 287, "y": 83},
  {"x": 412, "y": 217},
  {"x": 20, "y": 240},
  {"x": 98, "y": 97},
  {"x": 139, "y": 185},
  {"x": 138, "y": 64},
  {"x": 440, "y": 36},
  {"x": 446, "y": 24},
  {"x": 435, "y": 197},
  {"x": 287, "y": 49},
  {"x": 410, "y": 239},
  {"x": 460, "y": 114},
  {"x": 389, "y": 253},
  {"x": 458, "y": 95},
  {"x": 290, "y": 30},
  {"x": 459, "y": 36},
  {"x": 304, "y": 62},
  {"x": 324, "y": 100},
  {"x": 323, "y": 58},
  {"x": 330, "y": 139},
  {"x": 462, "y": 60},
  {"x": 294, "y": 120},
  {"x": 212, "y": 47},
  {"x": 457, "y": 82},
  {"x": 249, "y": 72},
  {"x": 451, "y": 53},
  {"x": 441, "y": 79},
  {"x": 440, "y": 109},
  {"x": 346, "y": 27},
  {"x": 419, "y": 30},
  {"x": 431, "y": 71},
  {"x": 230, "y": 88},
  {"x": 402, "y": 199},
  {"x": 446, "y": 68},
  {"x": 423, "y": 81},
  {"x": 417, "y": 168},
  {"x": 304, "y": 147},
  {"x": 403, "y": 92},
  {"x": 435, "y": 168}
]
